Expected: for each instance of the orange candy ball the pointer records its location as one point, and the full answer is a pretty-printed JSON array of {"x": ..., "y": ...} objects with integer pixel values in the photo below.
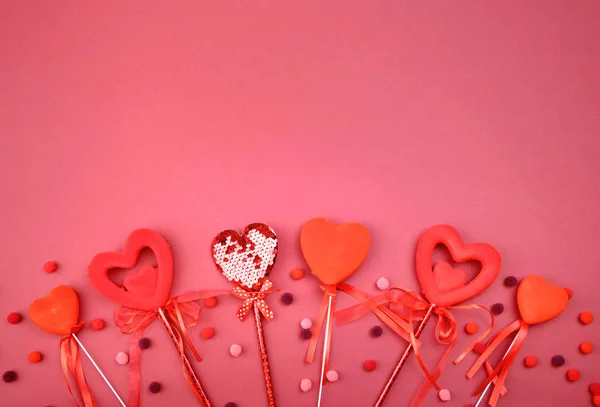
[
  {"x": 207, "y": 333},
  {"x": 471, "y": 328},
  {"x": 34, "y": 357},
  {"x": 531, "y": 361},
  {"x": 573, "y": 375},
  {"x": 297, "y": 274},
  {"x": 596, "y": 401},
  {"x": 586, "y": 318},
  {"x": 50, "y": 267},
  {"x": 97, "y": 324},
  {"x": 210, "y": 302},
  {"x": 586, "y": 348}
]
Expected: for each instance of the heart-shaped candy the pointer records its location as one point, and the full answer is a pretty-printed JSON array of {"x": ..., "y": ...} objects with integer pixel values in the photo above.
[
  {"x": 147, "y": 290},
  {"x": 540, "y": 301},
  {"x": 333, "y": 252},
  {"x": 448, "y": 278},
  {"x": 441, "y": 288},
  {"x": 56, "y": 313},
  {"x": 246, "y": 259}
]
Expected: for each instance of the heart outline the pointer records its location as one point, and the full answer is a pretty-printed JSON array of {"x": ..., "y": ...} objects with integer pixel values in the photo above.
[
  {"x": 539, "y": 301},
  {"x": 331, "y": 264},
  {"x": 446, "y": 235},
  {"x": 61, "y": 301},
  {"x": 264, "y": 230},
  {"x": 126, "y": 259}
]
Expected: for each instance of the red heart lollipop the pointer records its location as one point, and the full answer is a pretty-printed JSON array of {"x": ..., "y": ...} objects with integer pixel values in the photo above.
[
  {"x": 247, "y": 259},
  {"x": 441, "y": 288},
  {"x": 147, "y": 290},
  {"x": 56, "y": 313}
]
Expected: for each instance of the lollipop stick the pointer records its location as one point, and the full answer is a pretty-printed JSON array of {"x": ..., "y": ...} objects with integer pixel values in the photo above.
[
  {"x": 490, "y": 383},
  {"x": 196, "y": 382},
  {"x": 325, "y": 347},
  {"x": 263, "y": 355},
  {"x": 98, "y": 369},
  {"x": 404, "y": 358}
]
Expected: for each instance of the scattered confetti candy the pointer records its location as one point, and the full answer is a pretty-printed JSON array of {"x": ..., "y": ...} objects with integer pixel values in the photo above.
[
  {"x": 97, "y": 324},
  {"x": 471, "y": 328},
  {"x": 369, "y": 365},
  {"x": 376, "y": 331},
  {"x": 230, "y": 404},
  {"x": 14, "y": 318},
  {"x": 235, "y": 350},
  {"x": 382, "y": 283},
  {"x": 558, "y": 361},
  {"x": 210, "y": 302},
  {"x": 511, "y": 281},
  {"x": 586, "y": 318},
  {"x": 306, "y": 323},
  {"x": 297, "y": 274},
  {"x": 531, "y": 361},
  {"x": 207, "y": 333},
  {"x": 445, "y": 395},
  {"x": 50, "y": 267},
  {"x": 155, "y": 387},
  {"x": 332, "y": 376},
  {"x": 573, "y": 375},
  {"x": 9, "y": 376},
  {"x": 122, "y": 358},
  {"x": 497, "y": 309},
  {"x": 569, "y": 292},
  {"x": 34, "y": 357},
  {"x": 144, "y": 343},
  {"x": 287, "y": 298},
  {"x": 586, "y": 348},
  {"x": 595, "y": 389},
  {"x": 305, "y": 334},
  {"x": 479, "y": 348},
  {"x": 305, "y": 385}
]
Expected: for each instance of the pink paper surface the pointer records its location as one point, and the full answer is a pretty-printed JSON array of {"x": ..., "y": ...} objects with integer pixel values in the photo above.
[{"x": 192, "y": 118}]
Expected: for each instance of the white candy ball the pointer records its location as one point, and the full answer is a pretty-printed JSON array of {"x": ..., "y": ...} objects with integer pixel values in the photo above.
[
  {"x": 306, "y": 323},
  {"x": 306, "y": 384},
  {"x": 382, "y": 283},
  {"x": 332, "y": 376},
  {"x": 235, "y": 350}
]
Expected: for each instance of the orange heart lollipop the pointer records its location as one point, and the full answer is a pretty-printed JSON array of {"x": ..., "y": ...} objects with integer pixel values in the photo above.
[{"x": 540, "y": 301}]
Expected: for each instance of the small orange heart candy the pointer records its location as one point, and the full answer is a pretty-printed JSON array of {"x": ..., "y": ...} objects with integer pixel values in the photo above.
[{"x": 539, "y": 301}]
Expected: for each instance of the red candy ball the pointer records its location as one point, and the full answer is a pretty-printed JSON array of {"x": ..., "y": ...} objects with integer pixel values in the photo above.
[
  {"x": 595, "y": 389},
  {"x": 14, "y": 318},
  {"x": 369, "y": 365},
  {"x": 210, "y": 302},
  {"x": 50, "y": 267},
  {"x": 479, "y": 348},
  {"x": 97, "y": 324}
]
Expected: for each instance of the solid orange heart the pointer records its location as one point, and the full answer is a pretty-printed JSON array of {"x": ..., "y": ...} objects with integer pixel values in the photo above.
[
  {"x": 58, "y": 312},
  {"x": 539, "y": 301},
  {"x": 447, "y": 277},
  {"x": 333, "y": 252}
]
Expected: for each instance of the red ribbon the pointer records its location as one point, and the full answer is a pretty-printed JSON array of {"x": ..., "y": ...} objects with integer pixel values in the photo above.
[
  {"x": 182, "y": 313},
  {"x": 71, "y": 363},
  {"x": 250, "y": 297},
  {"x": 409, "y": 307}
]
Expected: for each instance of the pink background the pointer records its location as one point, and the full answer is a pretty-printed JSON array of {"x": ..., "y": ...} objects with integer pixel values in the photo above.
[{"x": 191, "y": 118}]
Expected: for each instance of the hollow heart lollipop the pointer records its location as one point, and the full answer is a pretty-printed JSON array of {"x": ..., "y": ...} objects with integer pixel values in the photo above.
[
  {"x": 58, "y": 313},
  {"x": 333, "y": 254},
  {"x": 246, "y": 260},
  {"x": 443, "y": 287},
  {"x": 145, "y": 296},
  {"x": 538, "y": 302}
]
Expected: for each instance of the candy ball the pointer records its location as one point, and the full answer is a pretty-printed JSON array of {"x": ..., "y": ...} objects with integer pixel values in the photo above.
[
  {"x": 586, "y": 348},
  {"x": 376, "y": 331},
  {"x": 511, "y": 281},
  {"x": 144, "y": 343},
  {"x": 122, "y": 358},
  {"x": 569, "y": 292},
  {"x": 369, "y": 365},
  {"x": 235, "y": 350},
  {"x": 14, "y": 318},
  {"x": 297, "y": 274},
  {"x": 287, "y": 298},
  {"x": 479, "y": 348},
  {"x": 586, "y": 318},
  {"x": 558, "y": 361},
  {"x": 332, "y": 376},
  {"x": 207, "y": 333},
  {"x": 305, "y": 334},
  {"x": 531, "y": 361},
  {"x": 497, "y": 309},
  {"x": 155, "y": 387},
  {"x": 573, "y": 375},
  {"x": 305, "y": 385},
  {"x": 97, "y": 324},
  {"x": 594, "y": 389},
  {"x": 9, "y": 376},
  {"x": 382, "y": 283},
  {"x": 230, "y": 404},
  {"x": 596, "y": 401},
  {"x": 306, "y": 323},
  {"x": 34, "y": 357},
  {"x": 210, "y": 302},
  {"x": 445, "y": 395},
  {"x": 471, "y": 328},
  {"x": 50, "y": 267}
]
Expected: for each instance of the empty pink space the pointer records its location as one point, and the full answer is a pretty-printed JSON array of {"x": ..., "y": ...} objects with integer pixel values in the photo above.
[{"x": 195, "y": 117}]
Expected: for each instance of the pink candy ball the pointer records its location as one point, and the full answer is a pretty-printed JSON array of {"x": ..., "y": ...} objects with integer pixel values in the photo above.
[
  {"x": 235, "y": 350},
  {"x": 382, "y": 283},
  {"x": 306, "y": 323},
  {"x": 122, "y": 358},
  {"x": 332, "y": 376},
  {"x": 306, "y": 384},
  {"x": 445, "y": 395}
]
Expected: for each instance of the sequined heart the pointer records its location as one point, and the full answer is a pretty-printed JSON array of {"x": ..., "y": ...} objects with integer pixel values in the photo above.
[{"x": 246, "y": 259}]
